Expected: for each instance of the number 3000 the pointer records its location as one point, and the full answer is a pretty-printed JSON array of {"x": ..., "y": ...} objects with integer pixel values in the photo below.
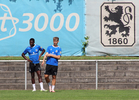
[{"x": 31, "y": 17}]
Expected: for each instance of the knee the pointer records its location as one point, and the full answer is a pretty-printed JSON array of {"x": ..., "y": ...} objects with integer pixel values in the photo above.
[
  {"x": 54, "y": 77},
  {"x": 46, "y": 76}
]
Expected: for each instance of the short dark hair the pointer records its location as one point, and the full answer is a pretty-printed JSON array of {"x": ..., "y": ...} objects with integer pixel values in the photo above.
[
  {"x": 32, "y": 39},
  {"x": 56, "y": 38}
]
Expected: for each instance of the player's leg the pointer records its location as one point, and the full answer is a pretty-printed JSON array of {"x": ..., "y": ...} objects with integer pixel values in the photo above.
[
  {"x": 47, "y": 78},
  {"x": 39, "y": 76},
  {"x": 48, "y": 82},
  {"x": 54, "y": 73},
  {"x": 38, "y": 71},
  {"x": 53, "y": 82},
  {"x": 46, "y": 75},
  {"x": 33, "y": 81},
  {"x": 31, "y": 70}
]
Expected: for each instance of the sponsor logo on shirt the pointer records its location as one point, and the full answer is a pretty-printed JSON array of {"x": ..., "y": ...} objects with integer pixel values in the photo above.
[{"x": 33, "y": 53}]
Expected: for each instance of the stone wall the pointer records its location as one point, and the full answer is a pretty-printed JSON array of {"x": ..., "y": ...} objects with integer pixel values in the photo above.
[{"x": 75, "y": 75}]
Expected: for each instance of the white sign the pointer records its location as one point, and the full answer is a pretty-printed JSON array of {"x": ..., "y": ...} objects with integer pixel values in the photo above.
[{"x": 117, "y": 24}]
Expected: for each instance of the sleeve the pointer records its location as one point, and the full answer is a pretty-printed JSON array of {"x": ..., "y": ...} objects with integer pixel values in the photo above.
[
  {"x": 25, "y": 51},
  {"x": 48, "y": 50},
  {"x": 59, "y": 51},
  {"x": 40, "y": 48}
]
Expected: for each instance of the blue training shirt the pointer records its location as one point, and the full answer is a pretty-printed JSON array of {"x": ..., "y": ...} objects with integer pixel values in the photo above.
[
  {"x": 33, "y": 53},
  {"x": 55, "y": 51}
]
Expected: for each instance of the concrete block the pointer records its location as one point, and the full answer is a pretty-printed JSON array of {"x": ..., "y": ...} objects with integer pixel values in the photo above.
[
  {"x": 85, "y": 80},
  {"x": 117, "y": 86},
  {"x": 7, "y": 80},
  {"x": 88, "y": 86},
  {"x": 7, "y": 75},
  {"x": 76, "y": 68},
  {"x": 76, "y": 63},
  {"x": 110, "y": 63},
  {"x": 107, "y": 68},
  {"x": 106, "y": 74},
  {"x": 133, "y": 80},
  {"x": 82, "y": 74},
  {"x": 16, "y": 69},
  {"x": 120, "y": 73},
  {"x": 133, "y": 68},
  {"x": 112, "y": 80},
  {"x": 3, "y": 69},
  {"x": 132, "y": 74},
  {"x": 67, "y": 86},
  {"x": 127, "y": 62}
]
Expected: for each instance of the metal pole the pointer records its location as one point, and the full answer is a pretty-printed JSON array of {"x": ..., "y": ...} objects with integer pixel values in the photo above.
[
  {"x": 25, "y": 75},
  {"x": 96, "y": 75}
]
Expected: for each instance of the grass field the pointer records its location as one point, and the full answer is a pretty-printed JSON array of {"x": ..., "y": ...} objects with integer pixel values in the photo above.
[{"x": 70, "y": 95}]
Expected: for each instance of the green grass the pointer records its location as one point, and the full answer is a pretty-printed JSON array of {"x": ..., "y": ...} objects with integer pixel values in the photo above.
[
  {"x": 70, "y": 95},
  {"x": 75, "y": 57}
]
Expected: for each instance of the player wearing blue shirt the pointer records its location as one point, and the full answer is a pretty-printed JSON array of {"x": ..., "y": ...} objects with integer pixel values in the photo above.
[
  {"x": 34, "y": 66},
  {"x": 53, "y": 54},
  {"x": 33, "y": 53},
  {"x": 54, "y": 51}
]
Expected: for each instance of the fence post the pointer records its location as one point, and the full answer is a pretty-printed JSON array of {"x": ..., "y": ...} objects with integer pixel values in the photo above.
[
  {"x": 96, "y": 75},
  {"x": 25, "y": 75}
]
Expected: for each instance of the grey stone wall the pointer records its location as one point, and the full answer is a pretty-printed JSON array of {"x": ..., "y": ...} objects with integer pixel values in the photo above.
[{"x": 75, "y": 75}]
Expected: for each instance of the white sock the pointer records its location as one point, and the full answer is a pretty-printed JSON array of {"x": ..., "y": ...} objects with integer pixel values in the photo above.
[
  {"x": 34, "y": 87},
  {"x": 41, "y": 85},
  {"x": 53, "y": 87}
]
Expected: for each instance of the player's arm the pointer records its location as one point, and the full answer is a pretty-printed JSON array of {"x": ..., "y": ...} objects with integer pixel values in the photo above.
[
  {"x": 44, "y": 58},
  {"x": 54, "y": 56},
  {"x": 41, "y": 53},
  {"x": 23, "y": 55}
]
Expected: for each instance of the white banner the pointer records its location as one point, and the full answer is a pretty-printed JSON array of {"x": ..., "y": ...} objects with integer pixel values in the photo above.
[{"x": 111, "y": 26}]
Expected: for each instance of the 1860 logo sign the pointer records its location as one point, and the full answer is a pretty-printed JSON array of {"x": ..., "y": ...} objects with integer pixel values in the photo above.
[{"x": 118, "y": 24}]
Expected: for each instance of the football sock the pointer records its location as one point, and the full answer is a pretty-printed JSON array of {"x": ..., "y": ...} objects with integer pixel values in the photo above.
[
  {"x": 34, "y": 87},
  {"x": 53, "y": 87},
  {"x": 41, "y": 85}
]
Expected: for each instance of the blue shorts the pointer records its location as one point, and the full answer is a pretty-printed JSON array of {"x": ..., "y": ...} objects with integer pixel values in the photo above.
[
  {"x": 51, "y": 70},
  {"x": 34, "y": 67}
]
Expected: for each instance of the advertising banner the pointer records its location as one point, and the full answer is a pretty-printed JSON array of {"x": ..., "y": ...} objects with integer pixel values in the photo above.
[
  {"x": 42, "y": 20},
  {"x": 112, "y": 25}
]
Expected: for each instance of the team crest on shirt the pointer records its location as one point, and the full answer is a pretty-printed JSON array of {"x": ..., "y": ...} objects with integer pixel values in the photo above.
[
  {"x": 36, "y": 50},
  {"x": 56, "y": 51}
]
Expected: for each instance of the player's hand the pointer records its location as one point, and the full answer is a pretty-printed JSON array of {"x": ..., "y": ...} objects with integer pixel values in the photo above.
[
  {"x": 39, "y": 58},
  {"x": 42, "y": 63},
  {"x": 29, "y": 60}
]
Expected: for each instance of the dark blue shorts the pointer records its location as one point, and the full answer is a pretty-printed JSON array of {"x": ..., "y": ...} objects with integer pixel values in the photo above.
[
  {"x": 51, "y": 70},
  {"x": 34, "y": 67}
]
